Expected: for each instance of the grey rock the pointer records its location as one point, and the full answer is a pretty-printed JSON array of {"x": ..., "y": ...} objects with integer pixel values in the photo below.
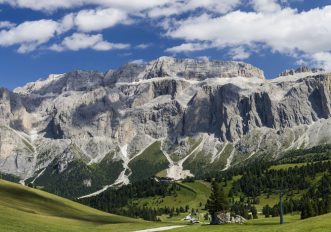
[{"x": 192, "y": 106}]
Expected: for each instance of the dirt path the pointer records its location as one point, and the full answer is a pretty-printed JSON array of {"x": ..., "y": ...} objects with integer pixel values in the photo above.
[{"x": 160, "y": 229}]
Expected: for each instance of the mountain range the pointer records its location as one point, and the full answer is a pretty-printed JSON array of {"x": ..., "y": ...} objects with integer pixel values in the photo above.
[{"x": 167, "y": 117}]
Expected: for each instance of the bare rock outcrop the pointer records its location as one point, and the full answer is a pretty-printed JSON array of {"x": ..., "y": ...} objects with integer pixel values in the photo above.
[{"x": 193, "y": 108}]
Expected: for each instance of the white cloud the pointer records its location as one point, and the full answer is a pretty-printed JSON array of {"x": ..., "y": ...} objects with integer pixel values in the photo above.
[
  {"x": 51, "y": 5},
  {"x": 138, "y": 62},
  {"x": 143, "y": 45},
  {"x": 41, "y": 4},
  {"x": 66, "y": 23},
  {"x": 157, "y": 8},
  {"x": 205, "y": 58},
  {"x": 287, "y": 31},
  {"x": 202, "y": 24},
  {"x": 189, "y": 47},
  {"x": 214, "y": 5},
  {"x": 239, "y": 53},
  {"x": 29, "y": 35},
  {"x": 6, "y": 24},
  {"x": 323, "y": 59},
  {"x": 132, "y": 5},
  {"x": 301, "y": 62},
  {"x": 266, "y": 6},
  {"x": 99, "y": 19},
  {"x": 165, "y": 11},
  {"x": 179, "y": 7},
  {"x": 79, "y": 41}
]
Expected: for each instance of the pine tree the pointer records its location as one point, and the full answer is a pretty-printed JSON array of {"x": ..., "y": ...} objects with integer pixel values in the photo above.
[
  {"x": 217, "y": 202},
  {"x": 266, "y": 211},
  {"x": 254, "y": 212}
]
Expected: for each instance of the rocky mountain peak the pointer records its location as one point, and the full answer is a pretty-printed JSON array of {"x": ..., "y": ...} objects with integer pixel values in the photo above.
[
  {"x": 189, "y": 69},
  {"x": 199, "y": 69},
  {"x": 302, "y": 69},
  {"x": 196, "y": 114},
  {"x": 57, "y": 83}
]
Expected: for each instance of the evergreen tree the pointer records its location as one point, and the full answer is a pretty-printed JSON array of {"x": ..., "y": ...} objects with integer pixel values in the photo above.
[
  {"x": 254, "y": 212},
  {"x": 266, "y": 211},
  {"x": 217, "y": 202}
]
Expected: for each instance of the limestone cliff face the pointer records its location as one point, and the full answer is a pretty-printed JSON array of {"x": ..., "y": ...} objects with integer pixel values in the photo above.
[
  {"x": 195, "y": 108},
  {"x": 189, "y": 69}
]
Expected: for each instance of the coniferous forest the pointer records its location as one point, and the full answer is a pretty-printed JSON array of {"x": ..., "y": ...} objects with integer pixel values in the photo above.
[{"x": 305, "y": 185}]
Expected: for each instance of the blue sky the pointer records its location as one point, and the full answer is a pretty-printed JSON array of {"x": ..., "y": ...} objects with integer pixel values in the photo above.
[{"x": 40, "y": 37}]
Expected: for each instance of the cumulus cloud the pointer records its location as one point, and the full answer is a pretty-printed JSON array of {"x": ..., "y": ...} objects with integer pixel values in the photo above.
[
  {"x": 179, "y": 7},
  {"x": 200, "y": 24},
  {"x": 99, "y": 19},
  {"x": 51, "y": 5},
  {"x": 323, "y": 59},
  {"x": 138, "y": 62},
  {"x": 29, "y": 35},
  {"x": 79, "y": 41},
  {"x": 205, "y": 58},
  {"x": 266, "y": 6},
  {"x": 189, "y": 47},
  {"x": 66, "y": 23},
  {"x": 158, "y": 7},
  {"x": 286, "y": 31},
  {"x": 143, "y": 45},
  {"x": 42, "y": 4},
  {"x": 6, "y": 24},
  {"x": 239, "y": 53}
]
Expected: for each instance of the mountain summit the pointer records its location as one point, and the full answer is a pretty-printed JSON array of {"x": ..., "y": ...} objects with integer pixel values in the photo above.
[
  {"x": 193, "y": 69},
  {"x": 171, "y": 117},
  {"x": 163, "y": 67}
]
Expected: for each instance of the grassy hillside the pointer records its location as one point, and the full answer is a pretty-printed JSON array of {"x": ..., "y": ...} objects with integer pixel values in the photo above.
[
  {"x": 190, "y": 194},
  {"x": 292, "y": 224},
  {"x": 149, "y": 163},
  {"x": 78, "y": 178},
  {"x": 26, "y": 209},
  {"x": 199, "y": 163}
]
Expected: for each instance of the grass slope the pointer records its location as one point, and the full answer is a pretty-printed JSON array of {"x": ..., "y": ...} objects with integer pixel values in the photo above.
[
  {"x": 193, "y": 193},
  {"x": 190, "y": 194},
  {"x": 70, "y": 182},
  {"x": 149, "y": 163},
  {"x": 200, "y": 163},
  {"x": 25, "y": 209},
  {"x": 292, "y": 224},
  {"x": 290, "y": 165}
]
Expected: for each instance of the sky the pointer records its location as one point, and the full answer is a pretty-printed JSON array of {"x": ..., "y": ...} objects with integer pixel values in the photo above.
[{"x": 42, "y": 37}]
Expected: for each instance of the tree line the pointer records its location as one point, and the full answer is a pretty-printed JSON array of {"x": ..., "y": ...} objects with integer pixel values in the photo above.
[{"x": 121, "y": 200}]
